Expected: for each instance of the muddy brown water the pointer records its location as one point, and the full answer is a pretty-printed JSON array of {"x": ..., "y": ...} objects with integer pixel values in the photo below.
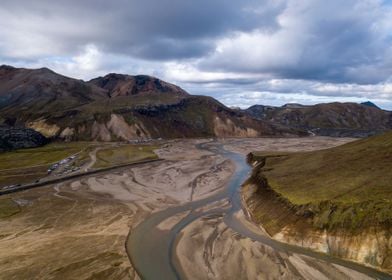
[{"x": 151, "y": 249}]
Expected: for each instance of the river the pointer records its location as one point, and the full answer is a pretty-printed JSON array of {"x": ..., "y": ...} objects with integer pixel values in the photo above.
[{"x": 151, "y": 249}]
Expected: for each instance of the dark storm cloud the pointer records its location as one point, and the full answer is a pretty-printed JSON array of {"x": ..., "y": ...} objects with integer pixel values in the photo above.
[
  {"x": 336, "y": 41},
  {"x": 165, "y": 49},
  {"x": 149, "y": 29}
]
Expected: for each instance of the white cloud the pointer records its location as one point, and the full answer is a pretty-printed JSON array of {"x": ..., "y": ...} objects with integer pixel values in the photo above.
[
  {"x": 189, "y": 72},
  {"x": 89, "y": 60},
  {"x": 256, "y": 51},
  {"x": 88, "y": 63}
]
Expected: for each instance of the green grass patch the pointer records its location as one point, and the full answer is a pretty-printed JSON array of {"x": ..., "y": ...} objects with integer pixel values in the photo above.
[
  {"x": 124, "y": 154},
  {"x": 26, "y": 165},
  {"x": 349, "y": 185},
  {"x": 350, "y": 173},
  {"x": 39, "y": 156}
]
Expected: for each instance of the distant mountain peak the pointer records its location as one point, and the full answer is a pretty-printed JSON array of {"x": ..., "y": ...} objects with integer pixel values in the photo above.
[
  {"x": 5, "y": 66},
  {"x": 293, "y": 106},
  {"x": 125, "y": 85},
  {"x": 370, "y": 104},
  {"x": 45, "y": 69},
  {"x": 6, "y": 69}
]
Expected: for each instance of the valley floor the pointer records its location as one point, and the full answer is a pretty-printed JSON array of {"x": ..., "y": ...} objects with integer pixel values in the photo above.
[{"x": 78, "y": 229}]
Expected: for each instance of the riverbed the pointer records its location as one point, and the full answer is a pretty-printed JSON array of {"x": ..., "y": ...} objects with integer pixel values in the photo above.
[{"x": 175, "y": 253}]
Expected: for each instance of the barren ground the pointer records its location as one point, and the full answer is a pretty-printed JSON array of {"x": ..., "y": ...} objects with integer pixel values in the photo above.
[{"x": 77, "y": 230}]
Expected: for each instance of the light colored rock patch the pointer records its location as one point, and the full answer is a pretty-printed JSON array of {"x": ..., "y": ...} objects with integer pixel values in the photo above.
[
  {"x": 100, "y": 132},
  {"x": 226, "y": 128},
  {"x": 67, "y": 133},
  {"x": 48, "y": 130},
  {"x": 119, "y": 127}
]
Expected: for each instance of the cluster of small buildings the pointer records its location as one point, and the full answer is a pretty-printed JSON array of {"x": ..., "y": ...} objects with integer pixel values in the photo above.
[
  {"x": 144, "y": 140},
  {"x": 69, "y": 169},
  {"x": 10, "y": 187},
  {"x": 65, "y": 163},
  {"x": 60, "y": 163}
]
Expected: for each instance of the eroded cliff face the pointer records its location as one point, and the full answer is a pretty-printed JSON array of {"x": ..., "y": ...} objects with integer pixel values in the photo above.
[
  {"x": 121, "y": 129},
  {"x": 117, "y": 128},
  {"x": 227, "y": 128},
  {"x": 369, "y": 245},
  {"x": 174, "y": 121}
]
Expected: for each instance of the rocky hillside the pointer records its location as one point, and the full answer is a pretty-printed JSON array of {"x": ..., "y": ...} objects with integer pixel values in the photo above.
[
  {"x": 17, "y": 138},
  {"x": 330, "y": 119},
  {"x": 126, "y": 85},
  {"x": 118, "y": 107},
  {"x": 27, "y": 94},
  {"x": 336, "y": 201}
]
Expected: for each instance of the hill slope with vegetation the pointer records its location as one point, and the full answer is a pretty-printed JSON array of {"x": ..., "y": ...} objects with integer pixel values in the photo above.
[{"x": 337, "y": 200}]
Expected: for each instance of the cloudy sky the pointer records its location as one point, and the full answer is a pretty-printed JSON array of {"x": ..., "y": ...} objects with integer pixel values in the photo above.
[{"x": 240, "y": 52}]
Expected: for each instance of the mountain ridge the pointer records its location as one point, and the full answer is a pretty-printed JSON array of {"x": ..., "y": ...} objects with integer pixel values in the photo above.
[
  {"x": 118, "y": 107},
  {"x": 328, "y": 119}
]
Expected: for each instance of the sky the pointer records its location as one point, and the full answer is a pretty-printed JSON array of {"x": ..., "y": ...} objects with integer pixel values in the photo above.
[{"x": 246, "y": 52}]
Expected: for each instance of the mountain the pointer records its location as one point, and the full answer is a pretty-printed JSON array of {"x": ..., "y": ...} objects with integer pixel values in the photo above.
[
  {"x": 260, "y": 111},
  {"x": 118, "y": 107},
  {"x": 330, "y": 119},
  {"x": 337, "y": 200}
]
